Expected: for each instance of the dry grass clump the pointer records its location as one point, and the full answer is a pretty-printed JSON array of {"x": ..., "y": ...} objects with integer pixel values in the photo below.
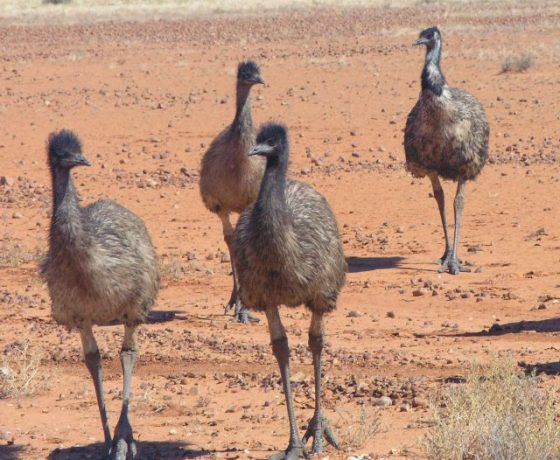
[
  {"x": 519, "y": 63},
  {"x": 22, "y": 373},
  {"x": 499, "y": 413},
  {"x": 353, "y": 430}
]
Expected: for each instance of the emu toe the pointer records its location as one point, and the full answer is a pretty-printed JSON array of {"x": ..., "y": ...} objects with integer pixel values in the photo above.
[
  {"x": 241, "y": 314},
  {"x": 453, "y": 266},
  {"x": 444, "y": 258},
  {"x": 291, "y": 453},
  {"x": 317, "y": 428},
  {"x": 124, "y": 446}
]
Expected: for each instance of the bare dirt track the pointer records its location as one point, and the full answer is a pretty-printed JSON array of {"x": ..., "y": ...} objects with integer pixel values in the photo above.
[{"x": 147, "y": 97}]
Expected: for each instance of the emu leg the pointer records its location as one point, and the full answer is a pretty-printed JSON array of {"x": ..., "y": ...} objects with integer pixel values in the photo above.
[
  {"x": 440, "y": 199},
  {"x": 124, "y": 447},
  {"x": 452, "y": 264},
  {"x": 241, "y": 314},
  {"x": 93, "y": 363},
  {"x": 281, "y": 351},
  {"x": 318, "y": 425}
]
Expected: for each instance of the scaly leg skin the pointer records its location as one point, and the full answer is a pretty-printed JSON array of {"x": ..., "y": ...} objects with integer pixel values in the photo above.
[
  {"x": 124, "y": 447},
  {"x": 440, "y": 199},
  {"x": 452, "y": 264},
  {"x": 93, "y": 363},
  {"x": 241, "y": 314},
  {"x": 318, "y": 425},
  {"x": 281, "y": 351}
]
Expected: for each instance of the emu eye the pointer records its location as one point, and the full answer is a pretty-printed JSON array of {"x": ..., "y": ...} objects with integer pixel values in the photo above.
[{"x": 270, "y": 142}]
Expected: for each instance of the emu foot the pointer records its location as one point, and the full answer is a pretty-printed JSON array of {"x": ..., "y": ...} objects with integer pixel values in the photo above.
[
  {"x": 318, "y": 427},
  {"x": 291, "y": 453},
  {"x": 453, "y": 266},
  {"x": 124, "y": 446},
  {"x": 241, "y": 314},
  {"x": 444, "y": 258}
]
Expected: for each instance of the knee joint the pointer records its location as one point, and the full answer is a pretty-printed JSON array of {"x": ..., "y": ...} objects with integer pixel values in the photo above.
[
  {"x": 316, "y": 343},
  {"x": 281, "y": 349}
]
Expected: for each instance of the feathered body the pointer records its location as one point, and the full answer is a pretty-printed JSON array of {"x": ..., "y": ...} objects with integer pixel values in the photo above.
[
  {"x": 287, "y": 246},
  {"x": 101, "y": 265},
  {"x": 447, "y": 130},
  {"x": 229, "y": 178}
]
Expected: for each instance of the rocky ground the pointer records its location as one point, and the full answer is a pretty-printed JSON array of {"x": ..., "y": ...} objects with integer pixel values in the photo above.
[{"x": 148, "y": 97}]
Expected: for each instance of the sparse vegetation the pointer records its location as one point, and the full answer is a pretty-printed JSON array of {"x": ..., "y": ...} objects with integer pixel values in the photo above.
[
  {"x": 518, "y": 63},
  {"x": 355, "y": 429},
  {"x": 14, "y": 255},
  {"x": 499, "y": 413},
  {"x": 171, "y": 269},
  {"x": 21, "y": 373}
]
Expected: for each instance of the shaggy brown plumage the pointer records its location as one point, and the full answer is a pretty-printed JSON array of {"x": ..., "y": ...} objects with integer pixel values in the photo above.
[
  {"x": 229, "y": 178},
  {"x": 101, "y": 266},
  {"x": 288, "y": 251},
  {"x": 446, "y": 135}
]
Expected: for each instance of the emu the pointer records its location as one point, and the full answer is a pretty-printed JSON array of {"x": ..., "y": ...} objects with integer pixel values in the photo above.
[
  {"x": 101, "y": 266},
  {"x": 229, "y": 179},
  {"x": 287, "y": 250},
  {"x": 446, "y": 135}
]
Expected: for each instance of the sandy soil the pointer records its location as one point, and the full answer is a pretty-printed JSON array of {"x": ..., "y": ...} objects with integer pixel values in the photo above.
[{"x": 147, "y": 97}]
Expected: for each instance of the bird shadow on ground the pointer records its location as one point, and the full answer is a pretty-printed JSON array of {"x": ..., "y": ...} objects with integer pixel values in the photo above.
[
  {"x": 544, "y": 325},
  {"x": 155, "y": 316},
  {"x": 10, "y": 451},
  {"x": 364, "y": 264},
  {"x": 147, "y": 450},
  {"x": 541, "y": 368}
]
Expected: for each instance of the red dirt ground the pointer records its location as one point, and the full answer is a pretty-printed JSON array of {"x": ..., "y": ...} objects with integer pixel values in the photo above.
[{"x": 147, "y": 97}]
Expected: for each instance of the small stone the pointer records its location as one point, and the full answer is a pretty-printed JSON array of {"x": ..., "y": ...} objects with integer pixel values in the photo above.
[
  {"x": 354, "y": 314},
  {"x": 391, "y": 314},
  {"x": 172, "y": 431},
  {"x": 419, "y": 402},
  {"x": 418, "y": 292},
  {"x": 5, "y": 180},
  {"x": 225, "y": 258},
  {"x": 384, "y": 401},
  {"x": 17, "y": 215},
  {"x": 298, "y": 377}
]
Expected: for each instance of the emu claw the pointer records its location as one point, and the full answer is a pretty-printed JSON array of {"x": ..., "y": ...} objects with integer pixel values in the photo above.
[
  {"x": 291, "y": 453},
  {"x": 317, "y": 428},
  {"x": 453, "y": 266},
  {"x": 241, "y": 315}
]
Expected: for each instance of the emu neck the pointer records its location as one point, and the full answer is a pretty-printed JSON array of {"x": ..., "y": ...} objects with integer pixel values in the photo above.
[
  {"x": 272, "y": 200},
  {"x": 432, "y": 76},
  {"x": 243, "y": 121},
  {"x": 66, "y": 219}
]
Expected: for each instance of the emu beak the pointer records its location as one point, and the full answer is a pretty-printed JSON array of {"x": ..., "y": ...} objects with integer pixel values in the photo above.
[
  {"x": 260, "y": 149},
  {"x": 257, "y": 80},
  {"x": 80, "y": 160},
  {"x": 421, "y": 41}
]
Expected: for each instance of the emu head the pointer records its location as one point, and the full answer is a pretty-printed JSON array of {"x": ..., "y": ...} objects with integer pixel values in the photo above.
[
  {"x": 430, "y": 37},
  {"x": 65, "y": 150},
  {"x": 272, "y": 141},
  {"x": 248, "y": 73}
]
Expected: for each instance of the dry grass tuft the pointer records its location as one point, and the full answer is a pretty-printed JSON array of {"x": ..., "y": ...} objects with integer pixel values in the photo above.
[
  {"x": 518, "y": 63},
  {"x": 499, "y": 413},
  {"x": 22, "y": 373},
  {"x": 354, "y": 430}
]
